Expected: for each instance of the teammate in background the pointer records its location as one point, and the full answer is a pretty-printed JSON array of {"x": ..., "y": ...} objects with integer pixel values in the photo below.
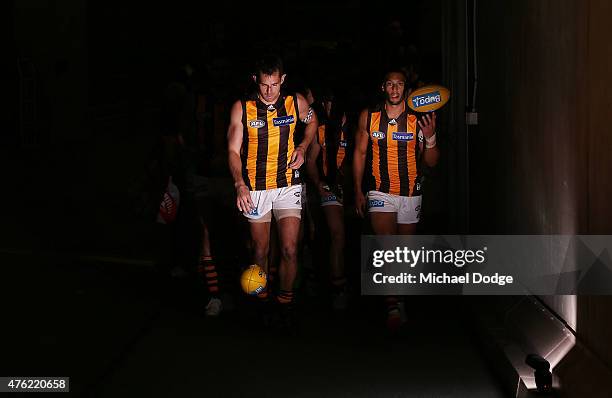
[
  {"x": 185, "y": 113},
  {"x": 325, "y": 166},
  {"x": 264, "y": 162},
  {"x": 396, "y": 144},
  {"x": 206, "y": 194}
]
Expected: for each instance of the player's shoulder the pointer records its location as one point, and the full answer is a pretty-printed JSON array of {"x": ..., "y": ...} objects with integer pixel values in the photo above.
[
  {"x": 238, "y": 109},
  {"x": 238, "y": 105},
  {"x": 369, "y": 110}
]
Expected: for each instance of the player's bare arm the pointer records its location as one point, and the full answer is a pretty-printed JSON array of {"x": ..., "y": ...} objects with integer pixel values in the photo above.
[
  {"x": 429, "y": 148},
  {"x": 308, "y": 116},
  {"x": 359, "y": 158},
  {"x": 234, "y": 145}
]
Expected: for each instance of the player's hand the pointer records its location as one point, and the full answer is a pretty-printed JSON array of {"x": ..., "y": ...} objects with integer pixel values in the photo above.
[
  {"x": 360, "y": 204},
  {"x": 243, "y": 199},
  {"x": 428, "y": 124},
  {"x": 297, "y": 158}
]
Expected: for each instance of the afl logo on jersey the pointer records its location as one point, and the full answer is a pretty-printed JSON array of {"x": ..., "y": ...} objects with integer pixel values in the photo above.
[
  {"x": 378, "y": 135},
  {"x": 257, "y": 124}
]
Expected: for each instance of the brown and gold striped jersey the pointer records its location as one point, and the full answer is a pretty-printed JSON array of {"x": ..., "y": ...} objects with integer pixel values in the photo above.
[
  {"x": 393, "y": 152},
  {"x": 268, "y": 142}
]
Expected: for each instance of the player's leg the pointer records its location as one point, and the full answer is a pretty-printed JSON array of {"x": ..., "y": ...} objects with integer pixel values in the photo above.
[
  {"x": 383, "y": 209},
  {"x": 384, "y": 223},
  {"x": 273, "y": 254},
  {"x": 406, "y": 229},
  {"x": 259, "y": 225},
  {"x": 260, "y": 241},
  {"x": 260, "y": 238},
  {"x": 288, "y": 227},
  {"x": 208, "y": 272},
  {"x": 207, "y": 267},
  {"x": 287, "y": 209},
  {"x": 408, "y": 216}
]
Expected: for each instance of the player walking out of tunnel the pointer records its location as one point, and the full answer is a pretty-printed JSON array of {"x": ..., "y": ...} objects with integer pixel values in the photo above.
[
  {"x": 391, "y": 146},
  {"x": 326, "y": 165},
  {"x": 264, "y": 160}
]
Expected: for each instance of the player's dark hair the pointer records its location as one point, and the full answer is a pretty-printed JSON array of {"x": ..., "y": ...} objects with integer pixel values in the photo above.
[
  {"x": 399, "y": 70},
  {"x": 269, "y": 64}
]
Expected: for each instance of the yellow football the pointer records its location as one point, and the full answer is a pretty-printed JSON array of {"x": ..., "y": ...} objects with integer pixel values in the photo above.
[
  {"x": 428, "y": 98},
  {"x": 253, "y": 280}
]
